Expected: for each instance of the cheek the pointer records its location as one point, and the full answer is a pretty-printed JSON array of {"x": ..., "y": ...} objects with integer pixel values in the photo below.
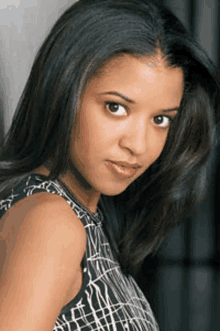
[
  {"x": 98, "y": 132},
  {"x": 92, "y": 136},
  {"x": 157, "y": 146}
]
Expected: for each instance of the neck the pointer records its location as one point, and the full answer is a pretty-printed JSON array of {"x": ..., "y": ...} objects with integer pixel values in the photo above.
[
  {"x": 78, "y": 186},
  {"x": 88, "y": 198}
]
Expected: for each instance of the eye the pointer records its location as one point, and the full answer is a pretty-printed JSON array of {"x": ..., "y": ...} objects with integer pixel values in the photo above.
[
  {"x": 116, "y": 108},
  {"x": 163, "y": 121}
]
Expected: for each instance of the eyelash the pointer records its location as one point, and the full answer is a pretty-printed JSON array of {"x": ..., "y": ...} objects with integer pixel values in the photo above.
[
  {"x": 108, "y": 103},
  {"x": 114, "y": 103}
]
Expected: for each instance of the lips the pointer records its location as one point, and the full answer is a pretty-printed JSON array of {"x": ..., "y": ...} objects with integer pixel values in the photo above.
[
  {"x": 122, "y": 169},
  {"x": 127, "y": 165}
]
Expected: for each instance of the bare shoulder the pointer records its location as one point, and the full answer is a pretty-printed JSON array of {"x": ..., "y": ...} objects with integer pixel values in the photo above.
[
  {"x": 46, "y": 217},
  {"x": 43, "y": 243},
  {"x": 41, "y": 206}
]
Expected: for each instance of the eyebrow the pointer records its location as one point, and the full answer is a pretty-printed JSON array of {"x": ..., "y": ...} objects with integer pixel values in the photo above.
[
  {"x": 132, "y": 101},
  {"x": 121, "y": 96}
]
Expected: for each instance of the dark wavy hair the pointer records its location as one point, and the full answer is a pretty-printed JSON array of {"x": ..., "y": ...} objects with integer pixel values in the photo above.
[{"x": 85, "y": 37}]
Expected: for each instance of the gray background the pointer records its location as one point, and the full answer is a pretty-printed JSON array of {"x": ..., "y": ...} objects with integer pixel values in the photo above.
[
  {"x": 182, "y": 281},
  {"x": 25, "y": 23}
]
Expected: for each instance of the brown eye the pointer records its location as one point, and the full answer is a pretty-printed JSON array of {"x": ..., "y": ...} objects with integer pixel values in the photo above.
[
  {"x": 162, "y": 121},
  {"x": 116, "y": 108}
]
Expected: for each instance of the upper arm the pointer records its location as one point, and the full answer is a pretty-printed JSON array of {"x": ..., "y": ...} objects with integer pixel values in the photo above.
[{"x": 45, "y": 247}]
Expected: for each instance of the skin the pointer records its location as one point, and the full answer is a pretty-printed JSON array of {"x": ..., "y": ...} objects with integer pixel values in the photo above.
[{"x": 110, "y": 128}]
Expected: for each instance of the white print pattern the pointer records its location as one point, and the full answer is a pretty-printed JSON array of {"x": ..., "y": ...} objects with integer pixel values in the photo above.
[{"x": 108, "y": 300}]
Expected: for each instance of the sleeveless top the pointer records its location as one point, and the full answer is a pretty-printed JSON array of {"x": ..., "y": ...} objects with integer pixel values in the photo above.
[{"x": 108, "y": 300}]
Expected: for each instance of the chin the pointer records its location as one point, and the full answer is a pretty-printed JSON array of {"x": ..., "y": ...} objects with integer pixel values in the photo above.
[{"x": 114, "y": 190}]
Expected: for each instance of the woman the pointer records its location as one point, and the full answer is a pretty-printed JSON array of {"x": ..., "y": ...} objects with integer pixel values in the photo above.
[{"x": 118, "y": 121}]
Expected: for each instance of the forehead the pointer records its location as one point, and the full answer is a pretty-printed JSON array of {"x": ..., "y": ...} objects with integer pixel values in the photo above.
[
  {"x": 156, "y": 61},
  {"x": 141, "y": 78}
]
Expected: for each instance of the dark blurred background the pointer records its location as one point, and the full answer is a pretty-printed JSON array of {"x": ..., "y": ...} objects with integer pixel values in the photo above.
[{"x": 182, "y": 282}]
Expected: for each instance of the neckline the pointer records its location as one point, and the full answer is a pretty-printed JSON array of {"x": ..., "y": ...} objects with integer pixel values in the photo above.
[{"x": 97, "y": 216}]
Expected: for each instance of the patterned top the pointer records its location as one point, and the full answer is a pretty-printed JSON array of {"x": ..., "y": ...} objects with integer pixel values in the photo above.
[{"x": 108, "y": 300}]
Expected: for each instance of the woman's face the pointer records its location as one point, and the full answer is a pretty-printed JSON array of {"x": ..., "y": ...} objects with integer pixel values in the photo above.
[{"x": 124, "y": 116}]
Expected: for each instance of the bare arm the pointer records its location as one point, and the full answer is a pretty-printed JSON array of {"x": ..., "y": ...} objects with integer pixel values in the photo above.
[{"x": 45, "y": 245}]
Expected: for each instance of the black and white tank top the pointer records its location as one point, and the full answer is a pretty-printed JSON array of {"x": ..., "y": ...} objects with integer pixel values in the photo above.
[{"x": 108, "y": 300}]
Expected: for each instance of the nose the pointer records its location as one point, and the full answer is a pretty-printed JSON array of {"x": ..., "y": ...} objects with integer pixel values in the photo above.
[{"x": 136, "y": 137}]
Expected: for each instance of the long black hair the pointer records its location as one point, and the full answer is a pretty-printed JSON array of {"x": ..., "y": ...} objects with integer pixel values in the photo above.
[{"x": 85, "y": 37}]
